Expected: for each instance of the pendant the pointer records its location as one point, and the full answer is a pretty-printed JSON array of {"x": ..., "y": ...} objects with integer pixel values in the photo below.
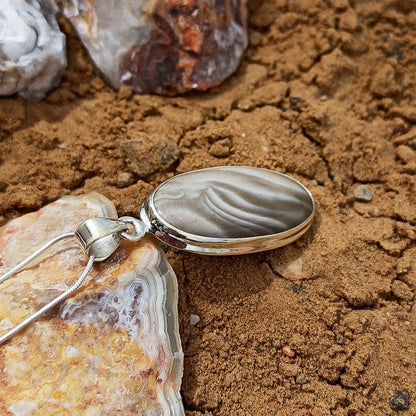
[
  {"x": 229, "y": 210},
  {"x": 222, "y": 210},
  {"x": 122, "y": 324}
]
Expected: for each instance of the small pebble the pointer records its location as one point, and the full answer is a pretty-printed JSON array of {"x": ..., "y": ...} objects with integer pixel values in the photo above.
[
  {"x": 362, "y": 193},
  {"x": 405, "y": 153},
  {"x": 288, "y": 351},
  {"x": 194, "y": 319},
  {"x": 400, "y": 400},
  {"x": 125, "y": 179}
]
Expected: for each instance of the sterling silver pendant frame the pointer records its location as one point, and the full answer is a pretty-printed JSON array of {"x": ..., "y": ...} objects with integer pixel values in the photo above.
[{"x": 229, "y": 210}]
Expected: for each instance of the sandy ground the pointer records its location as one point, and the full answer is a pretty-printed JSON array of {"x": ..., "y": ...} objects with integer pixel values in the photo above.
[{"x": 326, "y": 92}]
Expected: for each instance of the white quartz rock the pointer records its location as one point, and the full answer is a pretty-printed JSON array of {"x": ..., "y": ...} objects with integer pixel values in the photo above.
[{"x": 32, "y": 48}]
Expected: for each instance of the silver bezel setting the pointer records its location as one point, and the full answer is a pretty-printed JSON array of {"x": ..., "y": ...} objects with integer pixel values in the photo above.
[{"x": 179, "y": 239}]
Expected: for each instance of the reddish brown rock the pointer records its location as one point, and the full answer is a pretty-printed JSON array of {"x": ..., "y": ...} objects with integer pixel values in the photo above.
[{"x": 164, "y": 47}]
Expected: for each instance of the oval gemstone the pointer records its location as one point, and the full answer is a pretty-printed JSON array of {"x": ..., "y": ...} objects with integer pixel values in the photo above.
[{"x": 229, "y": 203}]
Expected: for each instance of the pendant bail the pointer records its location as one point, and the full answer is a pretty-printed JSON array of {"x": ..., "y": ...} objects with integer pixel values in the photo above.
[{"x": 100, "y": 237}]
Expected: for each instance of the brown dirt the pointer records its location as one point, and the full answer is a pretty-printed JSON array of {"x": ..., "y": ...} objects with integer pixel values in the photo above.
[{"x": 327, "y": 93}]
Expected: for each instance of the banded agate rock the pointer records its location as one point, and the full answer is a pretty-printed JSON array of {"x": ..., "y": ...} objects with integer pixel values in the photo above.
[
  {"x": 113, "y": 348},
  {"x": 162, "y": 46},
  {"x": 32, "y": 48}
]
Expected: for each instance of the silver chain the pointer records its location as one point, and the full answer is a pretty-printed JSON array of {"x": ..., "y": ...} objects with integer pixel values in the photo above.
[
  {"x": 99, "y": 238},
  {"x": 51, "y": 304}
]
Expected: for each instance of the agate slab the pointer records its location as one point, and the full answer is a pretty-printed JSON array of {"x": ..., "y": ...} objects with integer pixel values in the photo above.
[
  {"x": 112, "y": 348},
  {"x": 161, "y": 46},
  {"x": 32, "y": 48}
]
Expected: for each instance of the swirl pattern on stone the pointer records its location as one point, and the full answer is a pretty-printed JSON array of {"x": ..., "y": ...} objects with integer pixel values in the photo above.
[{"x": 229, "y": 209}]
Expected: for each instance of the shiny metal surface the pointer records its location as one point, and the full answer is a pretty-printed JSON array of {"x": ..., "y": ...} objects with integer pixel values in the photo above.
[
  {"x": 100, "y": 237},
  {"x": 229, "y": 210}
]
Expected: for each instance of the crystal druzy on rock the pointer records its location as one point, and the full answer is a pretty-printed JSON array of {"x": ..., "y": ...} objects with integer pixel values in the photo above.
[
  {"x": 111, "y": 348},
  {"x": 162, "y": 46},
  {"x": 32, "y": 48}
]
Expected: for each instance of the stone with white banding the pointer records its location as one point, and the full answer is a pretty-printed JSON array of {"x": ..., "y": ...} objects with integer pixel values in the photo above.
[{"x": 230, "y": 205}]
